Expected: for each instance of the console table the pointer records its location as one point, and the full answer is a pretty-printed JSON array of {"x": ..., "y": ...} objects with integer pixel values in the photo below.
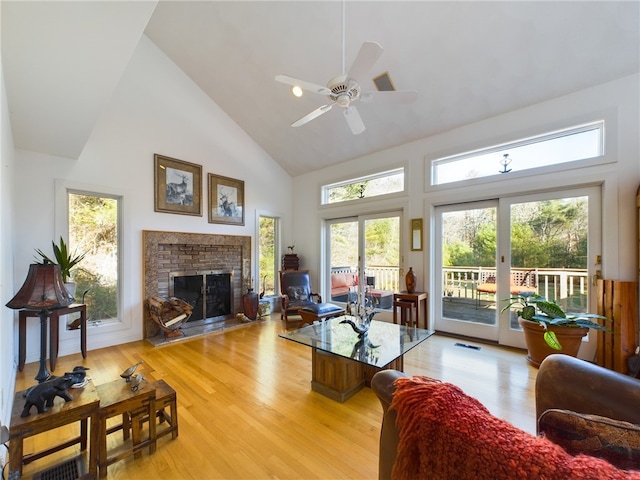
[
  {"x": 343, "y": 363},
  {"x": 54, "y": 331}
]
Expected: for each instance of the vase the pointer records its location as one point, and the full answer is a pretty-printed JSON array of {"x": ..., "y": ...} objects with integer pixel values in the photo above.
[
  {"x": 569, "y": 337},
  {"x": 250, "y": 302},
  {"x": 410, "y": 280}
]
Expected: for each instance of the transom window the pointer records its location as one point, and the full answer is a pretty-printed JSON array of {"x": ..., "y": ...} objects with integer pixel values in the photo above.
[
  {"x": 391, "y": 181},
  {"x": 554, "y": 148}
]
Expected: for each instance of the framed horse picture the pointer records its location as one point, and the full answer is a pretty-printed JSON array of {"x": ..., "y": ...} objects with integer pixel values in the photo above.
[
  {"x": 178, "y": 186},
  {"x": 226, "y": 200}
]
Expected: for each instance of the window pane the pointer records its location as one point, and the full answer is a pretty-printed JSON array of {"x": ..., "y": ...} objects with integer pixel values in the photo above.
[
  {"x": 578, "y": 143},
  {"x": 364, "y": 187},
  {"x": 267, "y": 255},
  {"x": 93, "y": 228}
]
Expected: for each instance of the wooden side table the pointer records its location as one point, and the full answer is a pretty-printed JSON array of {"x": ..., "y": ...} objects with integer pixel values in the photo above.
[
  {"x": 83, "y": 407},
  {"x": 117, "y": 399},
  {"x": 419, "y": 301},
  {"x": 54, "y": 332}
]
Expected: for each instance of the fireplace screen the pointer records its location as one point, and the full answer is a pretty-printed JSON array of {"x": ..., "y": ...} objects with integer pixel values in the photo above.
[{"x": 210, "y": 293}]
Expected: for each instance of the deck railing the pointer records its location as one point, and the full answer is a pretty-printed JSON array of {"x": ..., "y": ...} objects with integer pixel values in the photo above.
[{"x": 567, "y": 287}]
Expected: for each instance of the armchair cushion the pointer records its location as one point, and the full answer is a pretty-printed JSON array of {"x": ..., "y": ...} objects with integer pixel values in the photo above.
[
  {"x": 298, "y": 294},
  {"x": 444, "y": 433},
  {"x": 616, "y": 441}
]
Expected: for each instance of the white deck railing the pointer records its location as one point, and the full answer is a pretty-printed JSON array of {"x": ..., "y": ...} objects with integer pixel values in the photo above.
[{"x": 567, "y": 287}]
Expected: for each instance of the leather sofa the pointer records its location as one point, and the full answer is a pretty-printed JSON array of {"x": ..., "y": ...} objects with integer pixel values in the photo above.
[{"x": 563, "y": 384}]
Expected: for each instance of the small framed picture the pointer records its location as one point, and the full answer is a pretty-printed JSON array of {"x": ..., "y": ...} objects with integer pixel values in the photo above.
[
  {"x": 178, "y": 186},
  {"x": 226, "y": 200}
]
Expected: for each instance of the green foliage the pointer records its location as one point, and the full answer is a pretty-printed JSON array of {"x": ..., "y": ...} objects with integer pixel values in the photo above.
[
  {"x": 101, "y": 295},
  {"x": 547, "y": 234},
  {"x": 63, "y": 257},
  {"x": 535, "y": 308}
]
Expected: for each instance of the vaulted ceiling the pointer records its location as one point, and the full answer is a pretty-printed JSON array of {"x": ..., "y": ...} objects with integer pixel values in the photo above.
[{"x": 466, "y": 60}]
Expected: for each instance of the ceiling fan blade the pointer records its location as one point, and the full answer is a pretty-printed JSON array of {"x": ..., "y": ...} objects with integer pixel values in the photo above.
[
  {"x": 389, "y": 97},
  {"x": 310, "y": 116},
  {"x": 354, "y": 120},
  {"x": 366, "y": 59},
  {"x": 308, "y": 86}
]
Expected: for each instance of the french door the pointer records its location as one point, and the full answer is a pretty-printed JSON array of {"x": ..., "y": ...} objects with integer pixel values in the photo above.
[
  {"x": 548, "y": 244},
  {"x": 363, "y": 250}
]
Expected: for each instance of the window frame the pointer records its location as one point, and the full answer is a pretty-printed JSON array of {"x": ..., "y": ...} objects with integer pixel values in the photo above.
[
  {"x": 603, "y": 124},
  {"x": 325, "y": 188},
  {"x": 124, "y": 319}
]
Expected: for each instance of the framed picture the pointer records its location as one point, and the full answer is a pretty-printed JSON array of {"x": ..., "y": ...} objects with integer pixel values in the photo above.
[
  {"x": 226, "y": 200},
  {"x": 416, "y": 234},
  {"x": 178, "y": 186}
]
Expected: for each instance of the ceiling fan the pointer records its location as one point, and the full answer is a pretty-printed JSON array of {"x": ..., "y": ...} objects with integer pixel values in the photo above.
[{"x": 343, "y": 90}]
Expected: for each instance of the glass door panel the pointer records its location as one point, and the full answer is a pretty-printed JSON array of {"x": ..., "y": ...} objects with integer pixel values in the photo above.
[
  {"x": 550, "y": 239},
  {"x": 365, "y": 250},
  {"x": 466, "y": 237}
]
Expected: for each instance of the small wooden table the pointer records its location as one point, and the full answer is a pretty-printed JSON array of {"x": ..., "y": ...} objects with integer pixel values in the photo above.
[
  {"x": 54, "y": 331},
  {"x": 84, "y": 406},
  {"x": 117, "y": 398},
  {"x": 419, "y": 300}
]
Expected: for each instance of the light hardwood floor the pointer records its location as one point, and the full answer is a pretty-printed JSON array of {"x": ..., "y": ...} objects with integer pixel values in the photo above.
[{"x": 246, "y": 409}]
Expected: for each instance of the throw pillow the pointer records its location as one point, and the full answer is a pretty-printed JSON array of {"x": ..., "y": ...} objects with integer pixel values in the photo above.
[
  {"x": 298, "y": 294},
  {"x": 445, "y": 434},
  {"x": 615, "y": 441}
]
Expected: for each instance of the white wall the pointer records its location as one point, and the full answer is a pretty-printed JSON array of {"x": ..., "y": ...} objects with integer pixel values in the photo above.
[
  {"x": 617, "y": 102},
  {"x": 7, "y": 321},
  {"x": 154, "y": 109}
]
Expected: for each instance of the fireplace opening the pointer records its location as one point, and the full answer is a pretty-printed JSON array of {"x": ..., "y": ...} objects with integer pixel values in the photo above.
[{"x": 209, "y": 293}]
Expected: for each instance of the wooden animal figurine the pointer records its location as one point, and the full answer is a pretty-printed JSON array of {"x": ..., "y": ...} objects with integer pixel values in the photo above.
[
  {"x": 42, "y": 395},
  {"x": 129, "y": 371}
]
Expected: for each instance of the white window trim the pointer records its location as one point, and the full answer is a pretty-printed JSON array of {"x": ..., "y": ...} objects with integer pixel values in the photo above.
[{"x": 125, "y": 273}]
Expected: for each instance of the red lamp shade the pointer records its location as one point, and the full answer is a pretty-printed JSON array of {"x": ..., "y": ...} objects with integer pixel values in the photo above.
[{"x": 43, "y": 289}]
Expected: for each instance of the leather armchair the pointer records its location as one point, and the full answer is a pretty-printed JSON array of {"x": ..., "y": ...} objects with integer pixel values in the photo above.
[
  {"x": 295, "y": 293},
  {"x": 563, "y": 382}
]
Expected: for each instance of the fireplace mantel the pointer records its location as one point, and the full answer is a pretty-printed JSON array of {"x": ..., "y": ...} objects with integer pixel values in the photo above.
[{"x": 165, "y": 252}]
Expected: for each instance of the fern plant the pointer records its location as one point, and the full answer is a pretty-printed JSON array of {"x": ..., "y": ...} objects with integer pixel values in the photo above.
[{"x": 545, "y": 312}]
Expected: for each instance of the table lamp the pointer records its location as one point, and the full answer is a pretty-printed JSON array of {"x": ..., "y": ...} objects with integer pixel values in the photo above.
[{"x": 42, "y": 290}]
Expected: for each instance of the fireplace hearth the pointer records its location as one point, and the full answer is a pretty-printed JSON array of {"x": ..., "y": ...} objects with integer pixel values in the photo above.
[{"x": 194, "y": 255}]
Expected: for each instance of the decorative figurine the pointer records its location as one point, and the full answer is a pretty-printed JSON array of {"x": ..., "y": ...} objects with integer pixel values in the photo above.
[
  {"x": 136, "y": 380},
  {"x": 42, "y": 395},
  {"x": 129, "y": 371}
]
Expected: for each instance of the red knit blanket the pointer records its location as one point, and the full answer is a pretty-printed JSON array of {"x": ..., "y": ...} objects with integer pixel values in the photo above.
[{"x": 445, "y": 434}]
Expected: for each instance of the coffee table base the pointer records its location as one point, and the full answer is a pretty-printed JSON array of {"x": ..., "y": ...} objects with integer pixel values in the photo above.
[{"x": 340, "y": 378}]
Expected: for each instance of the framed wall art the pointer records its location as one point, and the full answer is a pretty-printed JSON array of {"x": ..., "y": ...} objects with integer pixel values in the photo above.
[
  {"x": 178, "y": 186},
  {"x": 226, "y": 200}
]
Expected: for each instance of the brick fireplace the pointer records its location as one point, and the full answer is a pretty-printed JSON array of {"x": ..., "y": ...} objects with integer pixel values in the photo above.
[{"x": 192, "y": 253}]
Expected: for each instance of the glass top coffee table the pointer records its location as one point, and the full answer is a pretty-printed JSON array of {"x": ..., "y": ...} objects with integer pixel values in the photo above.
[{"x": 342, "y": 362}]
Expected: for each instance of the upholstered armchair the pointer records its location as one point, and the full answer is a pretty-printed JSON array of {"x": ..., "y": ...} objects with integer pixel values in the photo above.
[{"x": 295, "y": 289}]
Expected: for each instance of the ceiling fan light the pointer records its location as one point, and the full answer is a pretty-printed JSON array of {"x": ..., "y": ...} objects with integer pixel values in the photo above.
[{"x": 297, "y": 91}]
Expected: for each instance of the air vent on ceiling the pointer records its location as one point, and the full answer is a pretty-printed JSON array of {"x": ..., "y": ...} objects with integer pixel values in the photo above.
[{"x": 383, "y": 83}]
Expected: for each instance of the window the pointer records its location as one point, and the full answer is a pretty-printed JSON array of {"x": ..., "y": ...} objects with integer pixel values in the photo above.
[
  {"x": 267, "y": 254},
  {"x": 382, "y": 183},
  {"x": 94, "y": 229},
  {"x": 563, "y": 146}
]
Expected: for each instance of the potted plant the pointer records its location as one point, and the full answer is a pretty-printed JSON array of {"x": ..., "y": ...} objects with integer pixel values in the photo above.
[
  {"x": 65, "y": 259},
  {"x": 549, "y": 329}
]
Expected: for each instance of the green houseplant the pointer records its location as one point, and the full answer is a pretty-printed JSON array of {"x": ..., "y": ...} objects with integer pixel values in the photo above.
[
  {"x": 548, "y": 328},
  {"x": 63, "y": 257}
]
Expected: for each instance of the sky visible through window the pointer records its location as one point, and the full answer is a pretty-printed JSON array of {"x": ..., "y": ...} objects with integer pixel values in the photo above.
[{"x": 569, "y": 146}]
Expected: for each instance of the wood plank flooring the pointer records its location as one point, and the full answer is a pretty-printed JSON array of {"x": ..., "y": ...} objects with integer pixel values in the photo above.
[{"x": 246, "y": 409}]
